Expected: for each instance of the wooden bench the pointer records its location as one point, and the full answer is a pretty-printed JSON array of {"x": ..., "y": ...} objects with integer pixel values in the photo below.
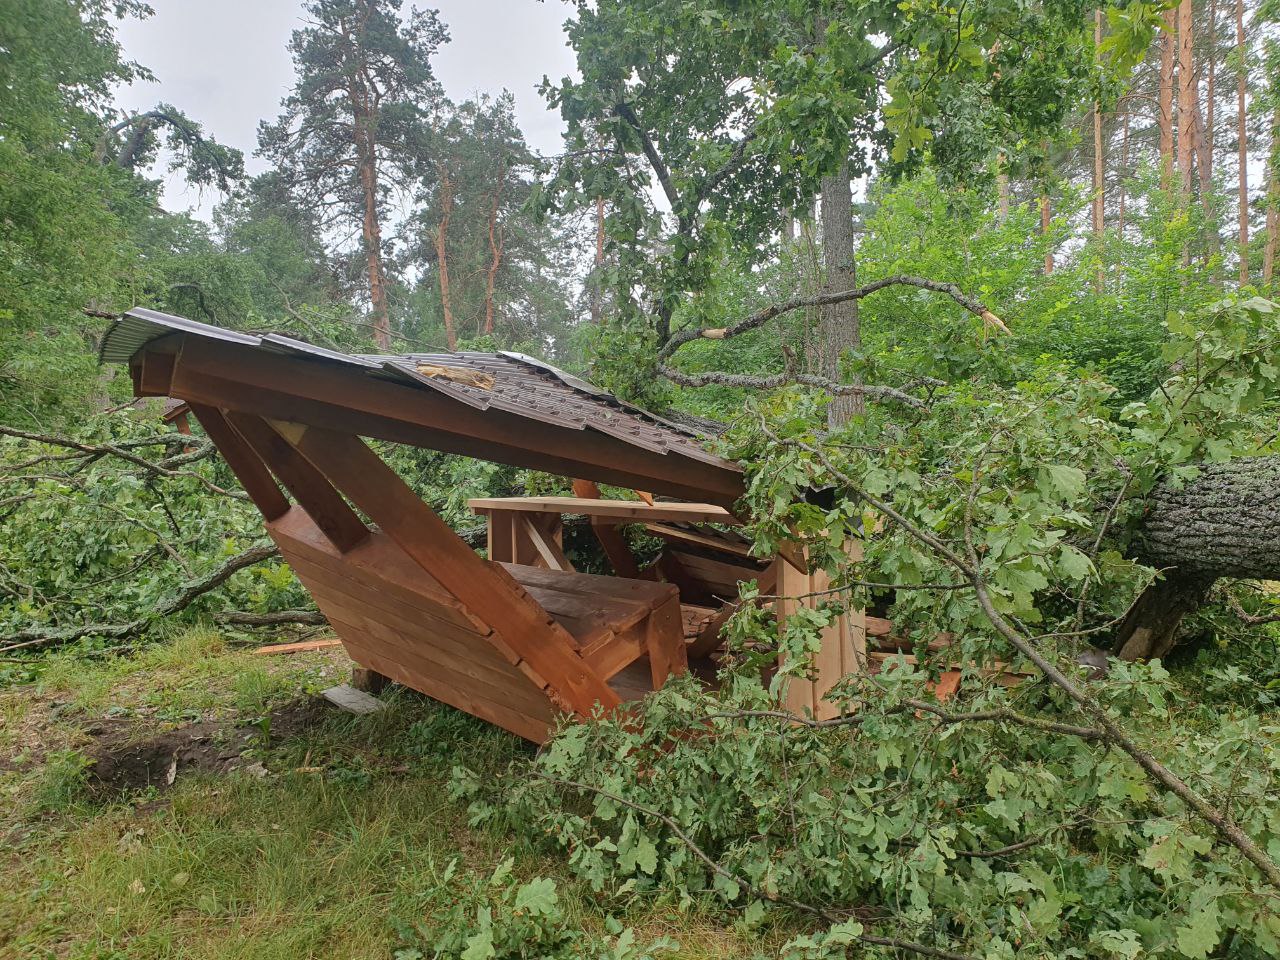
[
  {"x": 394, "y": 617},
  {"x": 613, "y": 620}
]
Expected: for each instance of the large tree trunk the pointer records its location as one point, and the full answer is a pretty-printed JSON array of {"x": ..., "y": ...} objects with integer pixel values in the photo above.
[
  {"x": 1124, "y": 172},
  {"x": 1225, "y": 523},
  {"x": 597, "y": 313},
  {"x": 1188, "y": 98},
  {"x": 1273, "y": 203},
  {"x": 1099, "y": 205},
  {"x": 1002, "y": 189},
  {"x": 839, "y": 327},
  {"x": 1046, "y": 224},
  {"x": 496, "y": 244}
]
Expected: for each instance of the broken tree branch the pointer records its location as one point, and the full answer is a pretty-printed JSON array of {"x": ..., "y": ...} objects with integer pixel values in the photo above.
[
  {"x": 121, "y": 451},
  {"x": 41, "y": 636},
  {"x": 764, "y": 315}
]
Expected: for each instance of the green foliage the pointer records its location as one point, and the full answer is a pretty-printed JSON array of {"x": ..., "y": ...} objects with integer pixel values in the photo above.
[
  {"x": 102, "y": 543},
  {"x": 1045, "y": 478},
  {"x": 970, "y": 827},
  {"x": 496, "y": 918},
  {"x": 903, "y": 818},
  {"x": 742, "y": 111}
]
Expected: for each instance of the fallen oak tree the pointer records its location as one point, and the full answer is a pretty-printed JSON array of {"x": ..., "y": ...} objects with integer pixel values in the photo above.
[{"x": 1223, "y": 524}]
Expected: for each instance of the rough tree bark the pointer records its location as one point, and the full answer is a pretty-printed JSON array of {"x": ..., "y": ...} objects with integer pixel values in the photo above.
[
  {"x": 1124, "y": 171},
  {"x": 1099, "y": 205},
  {"x": 838, "y": 328},
  {"x": 1046, "y": 224},
  {"x": 365, "y": 101},
  {"x": 496, "y": 246},
  {"x": 1273, "y": 202},
  {"x": 1225, "y": 523},
  {"x": 371, "y": 231},
  {"x": 1002, "y": 189},
  {"x": 597, "y": 311}
]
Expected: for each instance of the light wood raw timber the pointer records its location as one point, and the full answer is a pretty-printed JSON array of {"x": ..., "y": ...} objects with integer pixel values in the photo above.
[
  {"x": 309, "y": 488},
  {"x": 843, "y": 647},
  {"x": 305, "y": 646},
  {"x": 509, "y": 642},
  {"x": 629, "y": 511},
  {"x": 607, "y": 533},
  {"x": 244, "y": 463}
]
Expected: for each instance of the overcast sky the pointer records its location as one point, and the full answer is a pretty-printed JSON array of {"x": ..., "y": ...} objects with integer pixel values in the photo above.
[{"x": 225, "y": 63}]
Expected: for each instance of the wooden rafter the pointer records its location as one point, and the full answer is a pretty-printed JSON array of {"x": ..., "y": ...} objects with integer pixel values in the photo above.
[
  {"x": 244, "y": 463},
  {"x": 313, "y": 492}
]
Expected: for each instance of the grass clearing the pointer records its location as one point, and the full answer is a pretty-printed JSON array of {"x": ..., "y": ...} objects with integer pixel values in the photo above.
[{"x": 335, "y": 833}]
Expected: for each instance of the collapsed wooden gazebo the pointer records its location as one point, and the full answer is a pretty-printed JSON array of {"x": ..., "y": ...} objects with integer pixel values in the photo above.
[{"x": 521, "y": 636}]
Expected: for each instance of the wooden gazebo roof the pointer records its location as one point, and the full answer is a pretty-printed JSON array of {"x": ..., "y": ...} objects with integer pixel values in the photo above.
[{"x": 503, "y": 407}]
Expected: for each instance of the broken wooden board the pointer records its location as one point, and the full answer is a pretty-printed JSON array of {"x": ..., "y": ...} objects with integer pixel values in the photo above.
[
  {"x": 304, "y": 646},
  {"x": 348, "y": 698}
]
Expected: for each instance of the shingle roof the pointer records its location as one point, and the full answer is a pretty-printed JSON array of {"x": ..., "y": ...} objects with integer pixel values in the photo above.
[{"x": 522, "y": 385}]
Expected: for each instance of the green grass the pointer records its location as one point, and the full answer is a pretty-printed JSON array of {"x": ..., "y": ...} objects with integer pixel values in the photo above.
[{"x": 342, "y": 844}]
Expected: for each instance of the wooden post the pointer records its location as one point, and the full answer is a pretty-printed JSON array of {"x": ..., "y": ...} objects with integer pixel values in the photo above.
[
  {"x": 843, "y": 648},
  {"x": 370, "y": 681}
]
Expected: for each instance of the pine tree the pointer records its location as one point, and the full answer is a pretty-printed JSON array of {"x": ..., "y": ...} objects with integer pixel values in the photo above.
[{"x": 351, "y": 128}]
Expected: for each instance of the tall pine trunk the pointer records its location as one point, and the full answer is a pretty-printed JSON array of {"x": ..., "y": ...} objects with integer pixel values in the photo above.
[
  {"x": 596, "y": 292},
  {"x": 1165, "y": 98},
  {"x": 496, "y": 244},
  {"x": 1124, "y": 172},
  {"x": 442, "y": 259},
  {"x": 838, "y": 329},
  {"x": 1002, "y": 188},
  {"x": 1187, "y": 98},
  {"x": 1099, "y": 161},
  {"x": 371, "y": 231},
  {"x": 1273, "y": 203},
  {"x": 1242, "y": 135},
  {"x": 1046, "y": 223}
]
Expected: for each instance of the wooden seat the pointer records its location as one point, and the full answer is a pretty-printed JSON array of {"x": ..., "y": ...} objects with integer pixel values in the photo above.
[{"x": 613, "y": 620}]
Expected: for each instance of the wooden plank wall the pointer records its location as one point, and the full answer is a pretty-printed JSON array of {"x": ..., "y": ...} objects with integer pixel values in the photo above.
[{"x": 844, "y": 642}]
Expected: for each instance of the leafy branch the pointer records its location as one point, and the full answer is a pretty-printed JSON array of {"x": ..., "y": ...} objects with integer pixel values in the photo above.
[
  {"x": 182, "y": 598},
  {"x": 758, "y": 892},
  {"x": 968, "y": 566}
]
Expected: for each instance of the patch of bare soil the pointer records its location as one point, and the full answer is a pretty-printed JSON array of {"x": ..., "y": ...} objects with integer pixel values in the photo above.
[{"x": 122, "y": 761}]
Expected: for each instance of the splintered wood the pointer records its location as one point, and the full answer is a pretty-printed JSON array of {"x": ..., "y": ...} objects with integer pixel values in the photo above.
[{"x": 471, "y": 378}]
